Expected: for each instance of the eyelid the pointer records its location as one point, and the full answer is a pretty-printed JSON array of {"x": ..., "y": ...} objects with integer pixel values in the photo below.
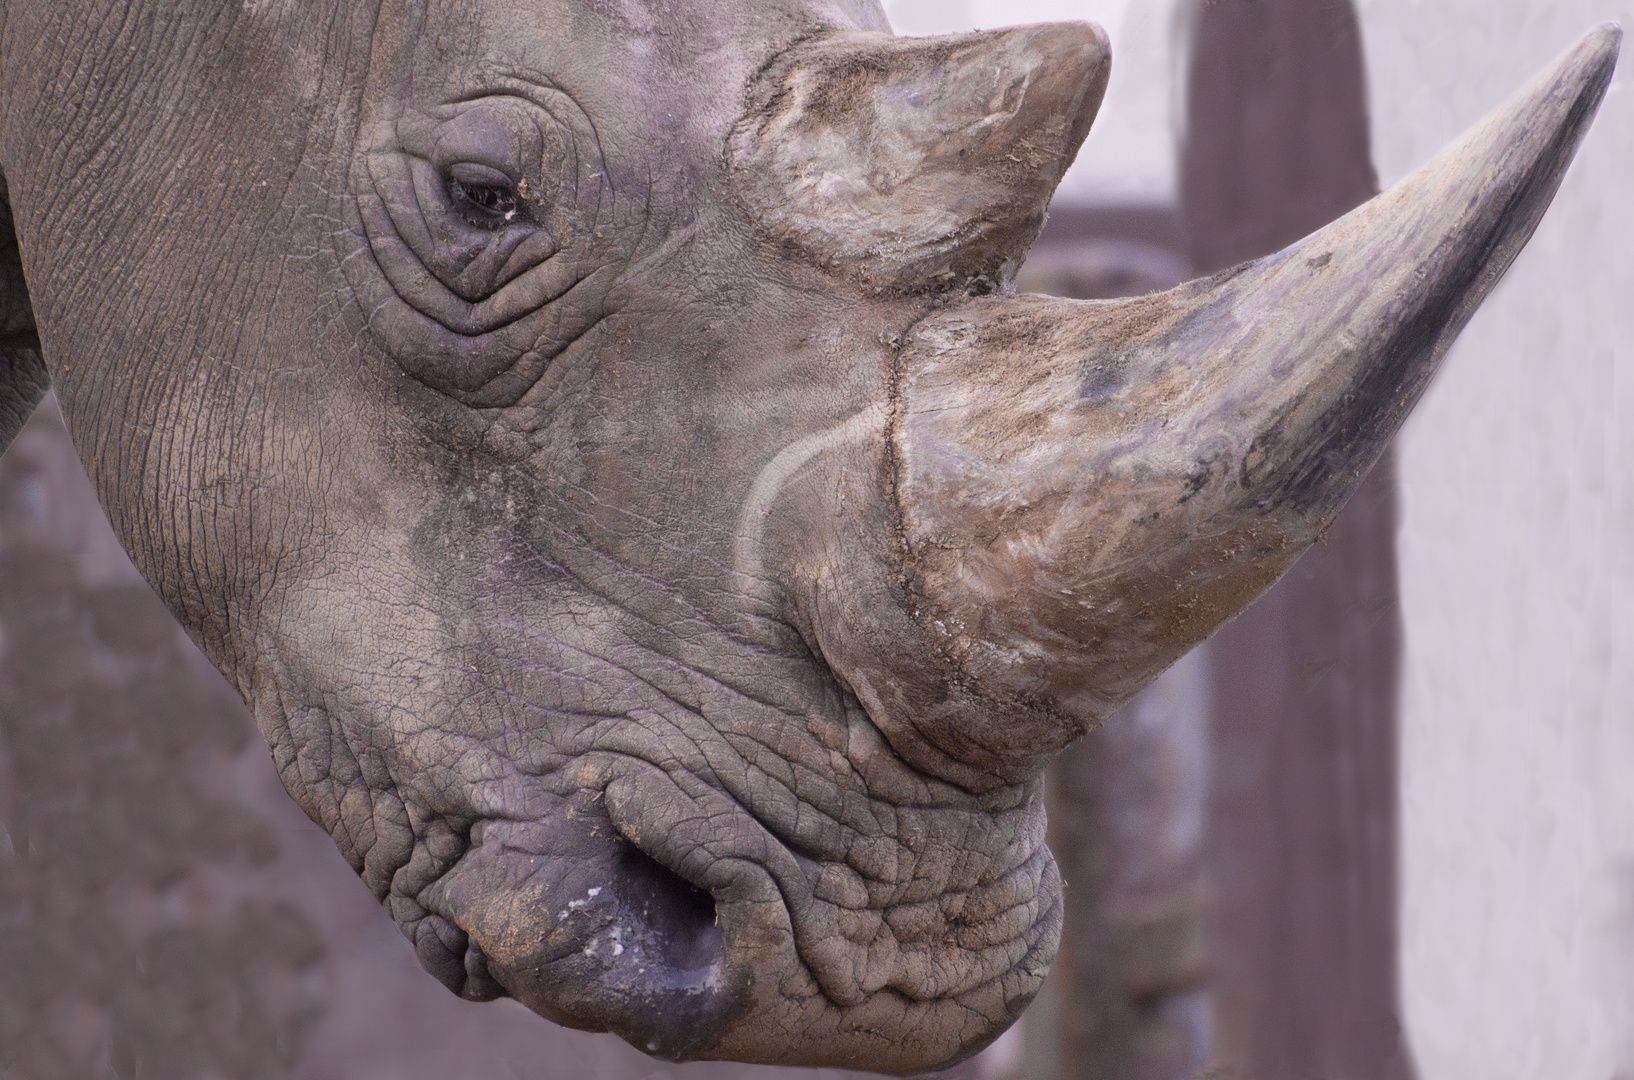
[{"x": 469, "y": 172}]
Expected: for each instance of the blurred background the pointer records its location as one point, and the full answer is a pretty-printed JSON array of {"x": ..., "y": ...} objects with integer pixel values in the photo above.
[{"x": 1381, "y": 827}]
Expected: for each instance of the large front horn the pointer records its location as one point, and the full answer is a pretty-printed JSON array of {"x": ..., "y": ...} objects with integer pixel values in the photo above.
[{"x": 1089, "y": 489}]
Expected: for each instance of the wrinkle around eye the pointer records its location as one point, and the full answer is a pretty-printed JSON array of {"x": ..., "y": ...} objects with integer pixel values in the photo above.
[
  {"x": 500, "y": 263},
  {"x": 473, "y": 267},
  {"x": 489, "y": 369},
  {"x": 414, "y": 282}
]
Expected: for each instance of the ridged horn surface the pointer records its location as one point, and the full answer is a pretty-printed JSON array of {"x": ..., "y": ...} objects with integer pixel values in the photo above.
[
  {"x": 1089, "y": 489},
  {"x": 918, "y": 163}
]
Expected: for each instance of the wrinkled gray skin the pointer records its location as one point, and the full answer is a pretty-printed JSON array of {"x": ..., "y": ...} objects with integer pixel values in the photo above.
[{"x": 580, "y": 431}]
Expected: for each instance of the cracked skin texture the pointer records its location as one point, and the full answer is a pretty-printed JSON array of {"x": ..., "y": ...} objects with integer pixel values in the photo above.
[
  {"x": 451, "y": 501},
  {"x": 556, "y": 500}
]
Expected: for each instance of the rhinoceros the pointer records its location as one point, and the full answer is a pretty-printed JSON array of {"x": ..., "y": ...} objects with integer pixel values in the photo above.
[{"x": 601, "y": 442}]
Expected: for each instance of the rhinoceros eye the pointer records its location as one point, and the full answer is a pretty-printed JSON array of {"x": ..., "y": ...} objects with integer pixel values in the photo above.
[{"x": 484, "y": 197}]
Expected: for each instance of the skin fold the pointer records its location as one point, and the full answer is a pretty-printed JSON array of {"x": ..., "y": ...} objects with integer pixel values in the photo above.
[{"x": 594, "y": 438}]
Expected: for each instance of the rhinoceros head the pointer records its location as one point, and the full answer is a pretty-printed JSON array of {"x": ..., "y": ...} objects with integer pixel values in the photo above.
[{"x": 599, "y": 440}]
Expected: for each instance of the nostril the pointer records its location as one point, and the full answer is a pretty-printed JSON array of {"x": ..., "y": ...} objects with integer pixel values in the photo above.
[
  {"x": 678, "y": 920},
  {"x": 648, "y": 956},
  {"x": 600, "y": 936}
]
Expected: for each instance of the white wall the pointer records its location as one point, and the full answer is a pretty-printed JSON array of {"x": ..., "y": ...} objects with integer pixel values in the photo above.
[
  {"x": 1517, "y": 556},
  {"x": 1129, "y": 156}
]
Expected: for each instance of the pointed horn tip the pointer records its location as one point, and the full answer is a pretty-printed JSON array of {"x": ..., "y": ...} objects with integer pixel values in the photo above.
[
  {"x": 1578, "y": 80},
  {"x": 1596, "y": 53}
]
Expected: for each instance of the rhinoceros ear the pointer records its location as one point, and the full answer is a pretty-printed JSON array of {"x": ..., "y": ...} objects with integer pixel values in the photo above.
[{"x": 917, "y": 163}]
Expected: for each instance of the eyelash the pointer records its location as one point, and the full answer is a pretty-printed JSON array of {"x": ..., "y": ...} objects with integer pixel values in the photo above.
[{"x": 487, "y": 206}]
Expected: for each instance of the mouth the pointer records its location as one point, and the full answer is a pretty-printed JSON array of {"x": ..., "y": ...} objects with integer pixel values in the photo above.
[{"x": 699, "y": 914}]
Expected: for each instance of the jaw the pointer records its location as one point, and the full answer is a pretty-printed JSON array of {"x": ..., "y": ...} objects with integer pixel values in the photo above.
[
  {"x": 584, "y": 918},
  {"x": 699, "y": 843},
  {"x": 698, "y": 886}
]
